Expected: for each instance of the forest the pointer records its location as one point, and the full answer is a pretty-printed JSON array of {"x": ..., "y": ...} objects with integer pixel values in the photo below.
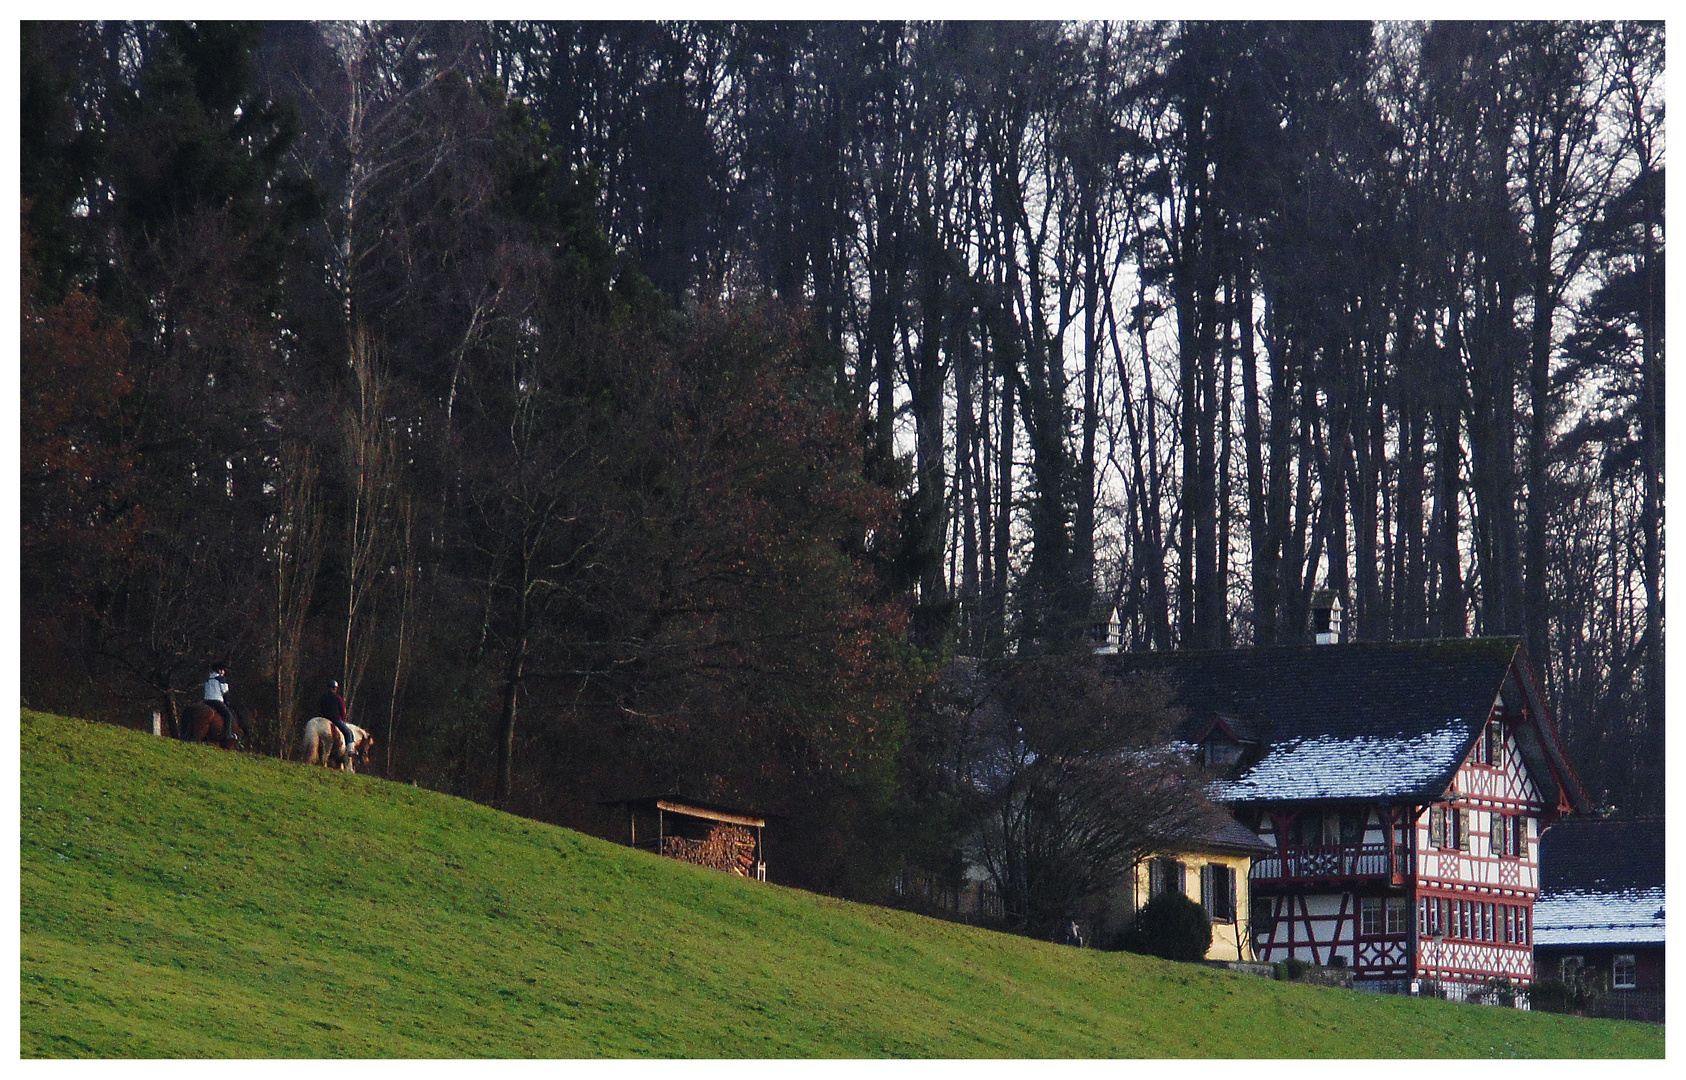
[{"x": 622, "y": 407}]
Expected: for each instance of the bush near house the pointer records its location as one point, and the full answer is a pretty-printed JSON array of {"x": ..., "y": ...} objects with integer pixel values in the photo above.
[{"x": 1171, "y": 927}]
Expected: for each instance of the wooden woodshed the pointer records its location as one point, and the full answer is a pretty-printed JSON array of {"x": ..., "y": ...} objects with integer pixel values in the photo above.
[{"x": 719, "y": 837}]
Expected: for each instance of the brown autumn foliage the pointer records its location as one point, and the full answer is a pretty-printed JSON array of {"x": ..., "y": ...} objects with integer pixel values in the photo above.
[{"x": 76, "y": 476}]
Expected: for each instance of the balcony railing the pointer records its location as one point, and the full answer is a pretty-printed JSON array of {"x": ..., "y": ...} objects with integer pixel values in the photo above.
[{"x": 1336, "y": 861}]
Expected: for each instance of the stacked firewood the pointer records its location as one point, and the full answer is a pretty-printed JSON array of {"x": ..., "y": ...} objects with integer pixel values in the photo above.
[{"x": 727, "y": 847}]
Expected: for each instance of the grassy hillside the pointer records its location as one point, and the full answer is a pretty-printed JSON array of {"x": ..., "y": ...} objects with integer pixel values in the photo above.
[{"x": 180, "y": 901}]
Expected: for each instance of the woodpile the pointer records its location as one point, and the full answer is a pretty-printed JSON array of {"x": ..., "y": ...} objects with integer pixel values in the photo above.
[{"x": 727, "y": 847}]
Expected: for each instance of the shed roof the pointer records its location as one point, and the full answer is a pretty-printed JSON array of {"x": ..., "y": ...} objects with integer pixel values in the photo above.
[{"x": 681, "y": 804}]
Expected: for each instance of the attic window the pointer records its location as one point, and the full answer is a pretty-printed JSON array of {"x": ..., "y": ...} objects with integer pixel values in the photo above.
[
  {"x": 1493, "y": 744},
  {"x": 1221, "y": 753}
]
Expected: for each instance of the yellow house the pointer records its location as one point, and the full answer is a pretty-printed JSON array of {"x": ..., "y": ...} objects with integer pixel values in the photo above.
[{"x": 1212, "y": 871}]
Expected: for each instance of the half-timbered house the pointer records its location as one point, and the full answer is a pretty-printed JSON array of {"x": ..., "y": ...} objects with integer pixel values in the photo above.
[{"x": 1402, "y": 789}]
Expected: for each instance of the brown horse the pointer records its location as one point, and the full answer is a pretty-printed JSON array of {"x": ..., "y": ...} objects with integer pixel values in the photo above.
[{"x": 200, "y": 723}]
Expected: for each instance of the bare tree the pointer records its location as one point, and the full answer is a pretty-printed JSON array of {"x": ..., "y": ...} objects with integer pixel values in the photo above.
[
  {"x": 298, "y": 537},
  {"x": 1076, "y": 780}
]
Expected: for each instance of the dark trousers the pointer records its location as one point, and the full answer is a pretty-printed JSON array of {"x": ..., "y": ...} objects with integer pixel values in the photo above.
[{"x": 221, "y": 709}]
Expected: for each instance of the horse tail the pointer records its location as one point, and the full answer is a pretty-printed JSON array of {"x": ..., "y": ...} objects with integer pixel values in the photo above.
[{"x": 309, "y": 745}]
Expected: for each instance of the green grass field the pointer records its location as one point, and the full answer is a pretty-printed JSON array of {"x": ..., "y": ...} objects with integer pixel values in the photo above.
[{"x": 181, "y": 901}]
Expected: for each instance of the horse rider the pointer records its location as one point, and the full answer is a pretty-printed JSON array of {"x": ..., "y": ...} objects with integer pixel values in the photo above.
[
  {"x": 216, "y": 691},
  {"x": 332, "y": 706}
]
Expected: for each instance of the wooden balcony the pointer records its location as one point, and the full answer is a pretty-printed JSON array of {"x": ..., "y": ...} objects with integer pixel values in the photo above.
[{"x": 1342, "y": 862}]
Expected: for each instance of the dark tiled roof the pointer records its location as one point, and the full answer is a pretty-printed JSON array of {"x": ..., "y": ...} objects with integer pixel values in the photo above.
[
  {"x": 1362, "y": 720},
  {"x": 1601, "y": 855},
  {"x": 1231, "y": 835}
]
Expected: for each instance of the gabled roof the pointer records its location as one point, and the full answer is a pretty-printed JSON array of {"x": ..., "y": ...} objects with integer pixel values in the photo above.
[{"x": 1367, "y": 720}]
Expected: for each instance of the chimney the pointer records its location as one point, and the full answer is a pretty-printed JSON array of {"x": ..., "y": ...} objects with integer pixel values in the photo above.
[{"x": 1326, "y": 616}]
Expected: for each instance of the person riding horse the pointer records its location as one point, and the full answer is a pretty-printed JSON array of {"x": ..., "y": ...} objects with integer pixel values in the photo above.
[
  {"x": 216, "y": 690},
  {"x": 332, "y": 707}
]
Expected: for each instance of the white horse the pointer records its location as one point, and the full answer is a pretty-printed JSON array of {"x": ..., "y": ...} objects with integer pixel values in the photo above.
[{"x": 322, "y": 744}]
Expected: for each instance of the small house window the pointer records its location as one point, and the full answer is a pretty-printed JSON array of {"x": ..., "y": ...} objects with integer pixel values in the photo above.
[
  {"x": 1398, "y": 915},
  {"x": 1262, "y": 914},
  {"x": 1217, "y": 892},
  {"x": 1221, "y": 753},
  {"x": 1448, "y": 827},
  {"x": 1165, "y": 875},
  {"x": 1510, "y": 835},
  {"x": 1624, "y": 972},
  {"x": 1370, "y": 916}
]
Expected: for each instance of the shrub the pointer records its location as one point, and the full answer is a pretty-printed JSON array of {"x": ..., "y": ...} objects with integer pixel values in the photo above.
[
  {"x": 1172, "y": 927},
  {"x": 1292, "y": 969}
]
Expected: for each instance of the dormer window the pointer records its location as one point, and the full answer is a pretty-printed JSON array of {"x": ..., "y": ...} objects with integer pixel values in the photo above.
[{"x": 1221, "y": 752}]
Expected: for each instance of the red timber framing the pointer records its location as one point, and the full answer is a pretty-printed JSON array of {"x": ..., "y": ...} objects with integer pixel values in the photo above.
[{"x": 1441, "y": 890}]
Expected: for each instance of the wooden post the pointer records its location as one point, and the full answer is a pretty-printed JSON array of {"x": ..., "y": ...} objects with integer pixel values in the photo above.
[{"x": 157, "y": 722}]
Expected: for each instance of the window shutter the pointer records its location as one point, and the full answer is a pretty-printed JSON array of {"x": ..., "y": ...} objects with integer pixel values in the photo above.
[
  {"x": 1206, "y": 891},
  {"x": 1463, "y": 829}
]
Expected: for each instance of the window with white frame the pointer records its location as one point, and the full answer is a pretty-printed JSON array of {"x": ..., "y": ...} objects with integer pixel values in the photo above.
[
  {"x": 1624, "y": 971},
  {"x": 1370, "y": 916},
  {"x": 1398, "y": 915}
]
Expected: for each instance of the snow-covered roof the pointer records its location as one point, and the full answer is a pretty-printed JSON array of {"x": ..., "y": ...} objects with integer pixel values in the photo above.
[
  {"x": 1583, "y": 917},
  {"x": 1359, "y": 767},
  {"x": 1365, "y": 720}
]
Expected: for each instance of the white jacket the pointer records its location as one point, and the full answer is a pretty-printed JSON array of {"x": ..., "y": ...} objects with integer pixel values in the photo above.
[{"x": 215, "y": 688}]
